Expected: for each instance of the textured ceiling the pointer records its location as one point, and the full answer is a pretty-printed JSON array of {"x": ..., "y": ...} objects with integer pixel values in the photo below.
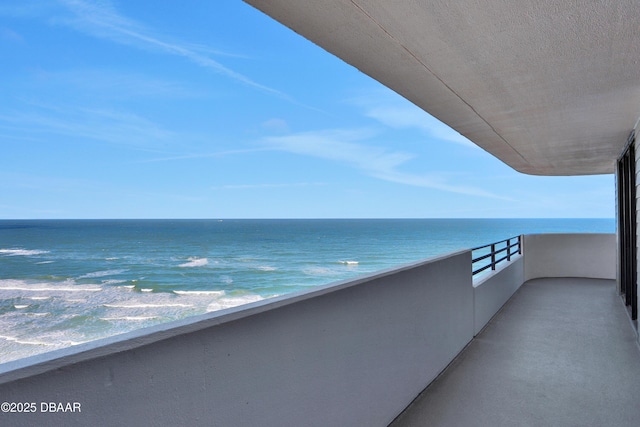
[{"x": 548, "y": 87}]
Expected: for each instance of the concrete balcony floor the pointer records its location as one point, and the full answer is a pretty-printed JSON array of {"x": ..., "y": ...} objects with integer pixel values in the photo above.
[{"x": 561, "y": 352}]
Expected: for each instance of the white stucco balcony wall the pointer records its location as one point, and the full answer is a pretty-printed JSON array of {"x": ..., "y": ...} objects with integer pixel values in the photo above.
[
  {"x": 494, "y": 290},
  {"x": 349, "y": 354},
  {"x": 570, "y": 255}
]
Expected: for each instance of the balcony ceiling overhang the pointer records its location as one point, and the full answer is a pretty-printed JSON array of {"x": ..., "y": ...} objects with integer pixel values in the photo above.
[{"x": 548, "y": 87}]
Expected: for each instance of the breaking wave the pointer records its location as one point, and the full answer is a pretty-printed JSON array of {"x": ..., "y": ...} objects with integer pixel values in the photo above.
[
  {"x": 21, "y": 252},
  {"x": 104, "y": 273},
  {"x": 195, "y": 262},
  {"x": 44, "y": 315},
  {"x": 211, "y": 293}
]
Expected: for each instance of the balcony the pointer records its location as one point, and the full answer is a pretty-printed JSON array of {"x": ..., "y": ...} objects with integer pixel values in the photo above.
[
  {"x": 358, "y": 352},
  {"x": 561, "y": 352}
]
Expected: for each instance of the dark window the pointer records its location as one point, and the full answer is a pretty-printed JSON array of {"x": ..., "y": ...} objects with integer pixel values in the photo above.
[{"x": 626, "y": 183}]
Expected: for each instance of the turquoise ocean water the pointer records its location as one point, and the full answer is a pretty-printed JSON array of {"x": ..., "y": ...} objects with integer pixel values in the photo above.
[{"x": 64, "y": 282}]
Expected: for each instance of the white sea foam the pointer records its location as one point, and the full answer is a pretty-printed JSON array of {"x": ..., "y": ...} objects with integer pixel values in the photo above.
[
  {"x": 45, "y": 288},
  {"x": 20, "y": 341},
  {"x": 70, "y": 343},
  {"x": 44, "y": 262},
  {"x": 146, "y": 305},
  {"x": 349, "y": 262},
  {"x": 101, "y": 274},
  {"x": 42, "y": 343},
  {"x": 113, "y": 282},
  {"x": 195, "y": 262},
  {"x": 65, "y": 304},
  {"x": 129, "y": 318},
  {"x": 21, "y": 252},
  {"x": 211, "y": 293},
  {"x": 228, "y": 302},
  {"x": 146, "y": 290},
  {"x": 319, "y": 271},
  {"x": 266, "y": 268}
]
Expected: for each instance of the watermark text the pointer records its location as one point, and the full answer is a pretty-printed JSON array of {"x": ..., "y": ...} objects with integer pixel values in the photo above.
[{"x": 40, "y": 407}]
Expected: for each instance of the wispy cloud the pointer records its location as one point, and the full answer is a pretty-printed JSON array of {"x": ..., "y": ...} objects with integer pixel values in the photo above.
[
  {"x": 110, "y": 126},
  {"x": 342, "y": 146},
  {"x": 583, "y": 194},
  {"x": 195, "y": 156},
  {"x": 49, "y": 184},
  {"x": 101, "y": 19},
  {"x": 400, "y": 117},
  {"x": 393, "y": 111},
  {"x": 263, "y": 186},
  {"x": 20, "y": 211},
  {"x": 10, "y": 35},
  {"x": 23, "y": 9},
  {"x": 112, "y": 84},
  {"x": 276, "y": 125}
]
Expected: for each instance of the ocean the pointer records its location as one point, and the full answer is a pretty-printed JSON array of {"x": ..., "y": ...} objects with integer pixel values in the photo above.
[{"x": 65, "y": 282}]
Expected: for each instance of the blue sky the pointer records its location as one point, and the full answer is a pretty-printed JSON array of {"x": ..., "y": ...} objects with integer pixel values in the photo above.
[{"x": 137, "y": 109}]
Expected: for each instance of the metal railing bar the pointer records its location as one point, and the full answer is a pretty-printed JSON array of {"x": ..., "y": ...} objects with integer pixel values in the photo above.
[
  {"x": 481, "y": 269},
  {"x": 496, "y": 249},
  {"x": 481, "y": 258},
  {"x": 501, "y": 259},
  {"x": 507, "y": 244},
  {"x": 494, "y": 243}
]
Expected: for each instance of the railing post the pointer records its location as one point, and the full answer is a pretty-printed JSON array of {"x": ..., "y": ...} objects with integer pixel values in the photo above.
[
  {"x": 493, "y": 256},
  {"x": 509, "y": 249},
  {"x": 520, "y": 244}
]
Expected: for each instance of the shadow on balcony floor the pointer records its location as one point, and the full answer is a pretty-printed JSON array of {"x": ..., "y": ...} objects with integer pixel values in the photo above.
[{"x": 561, "y": 352}]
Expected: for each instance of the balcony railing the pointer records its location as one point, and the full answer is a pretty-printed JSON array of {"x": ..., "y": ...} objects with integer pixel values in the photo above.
[{"x": 492, "y": 254}]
